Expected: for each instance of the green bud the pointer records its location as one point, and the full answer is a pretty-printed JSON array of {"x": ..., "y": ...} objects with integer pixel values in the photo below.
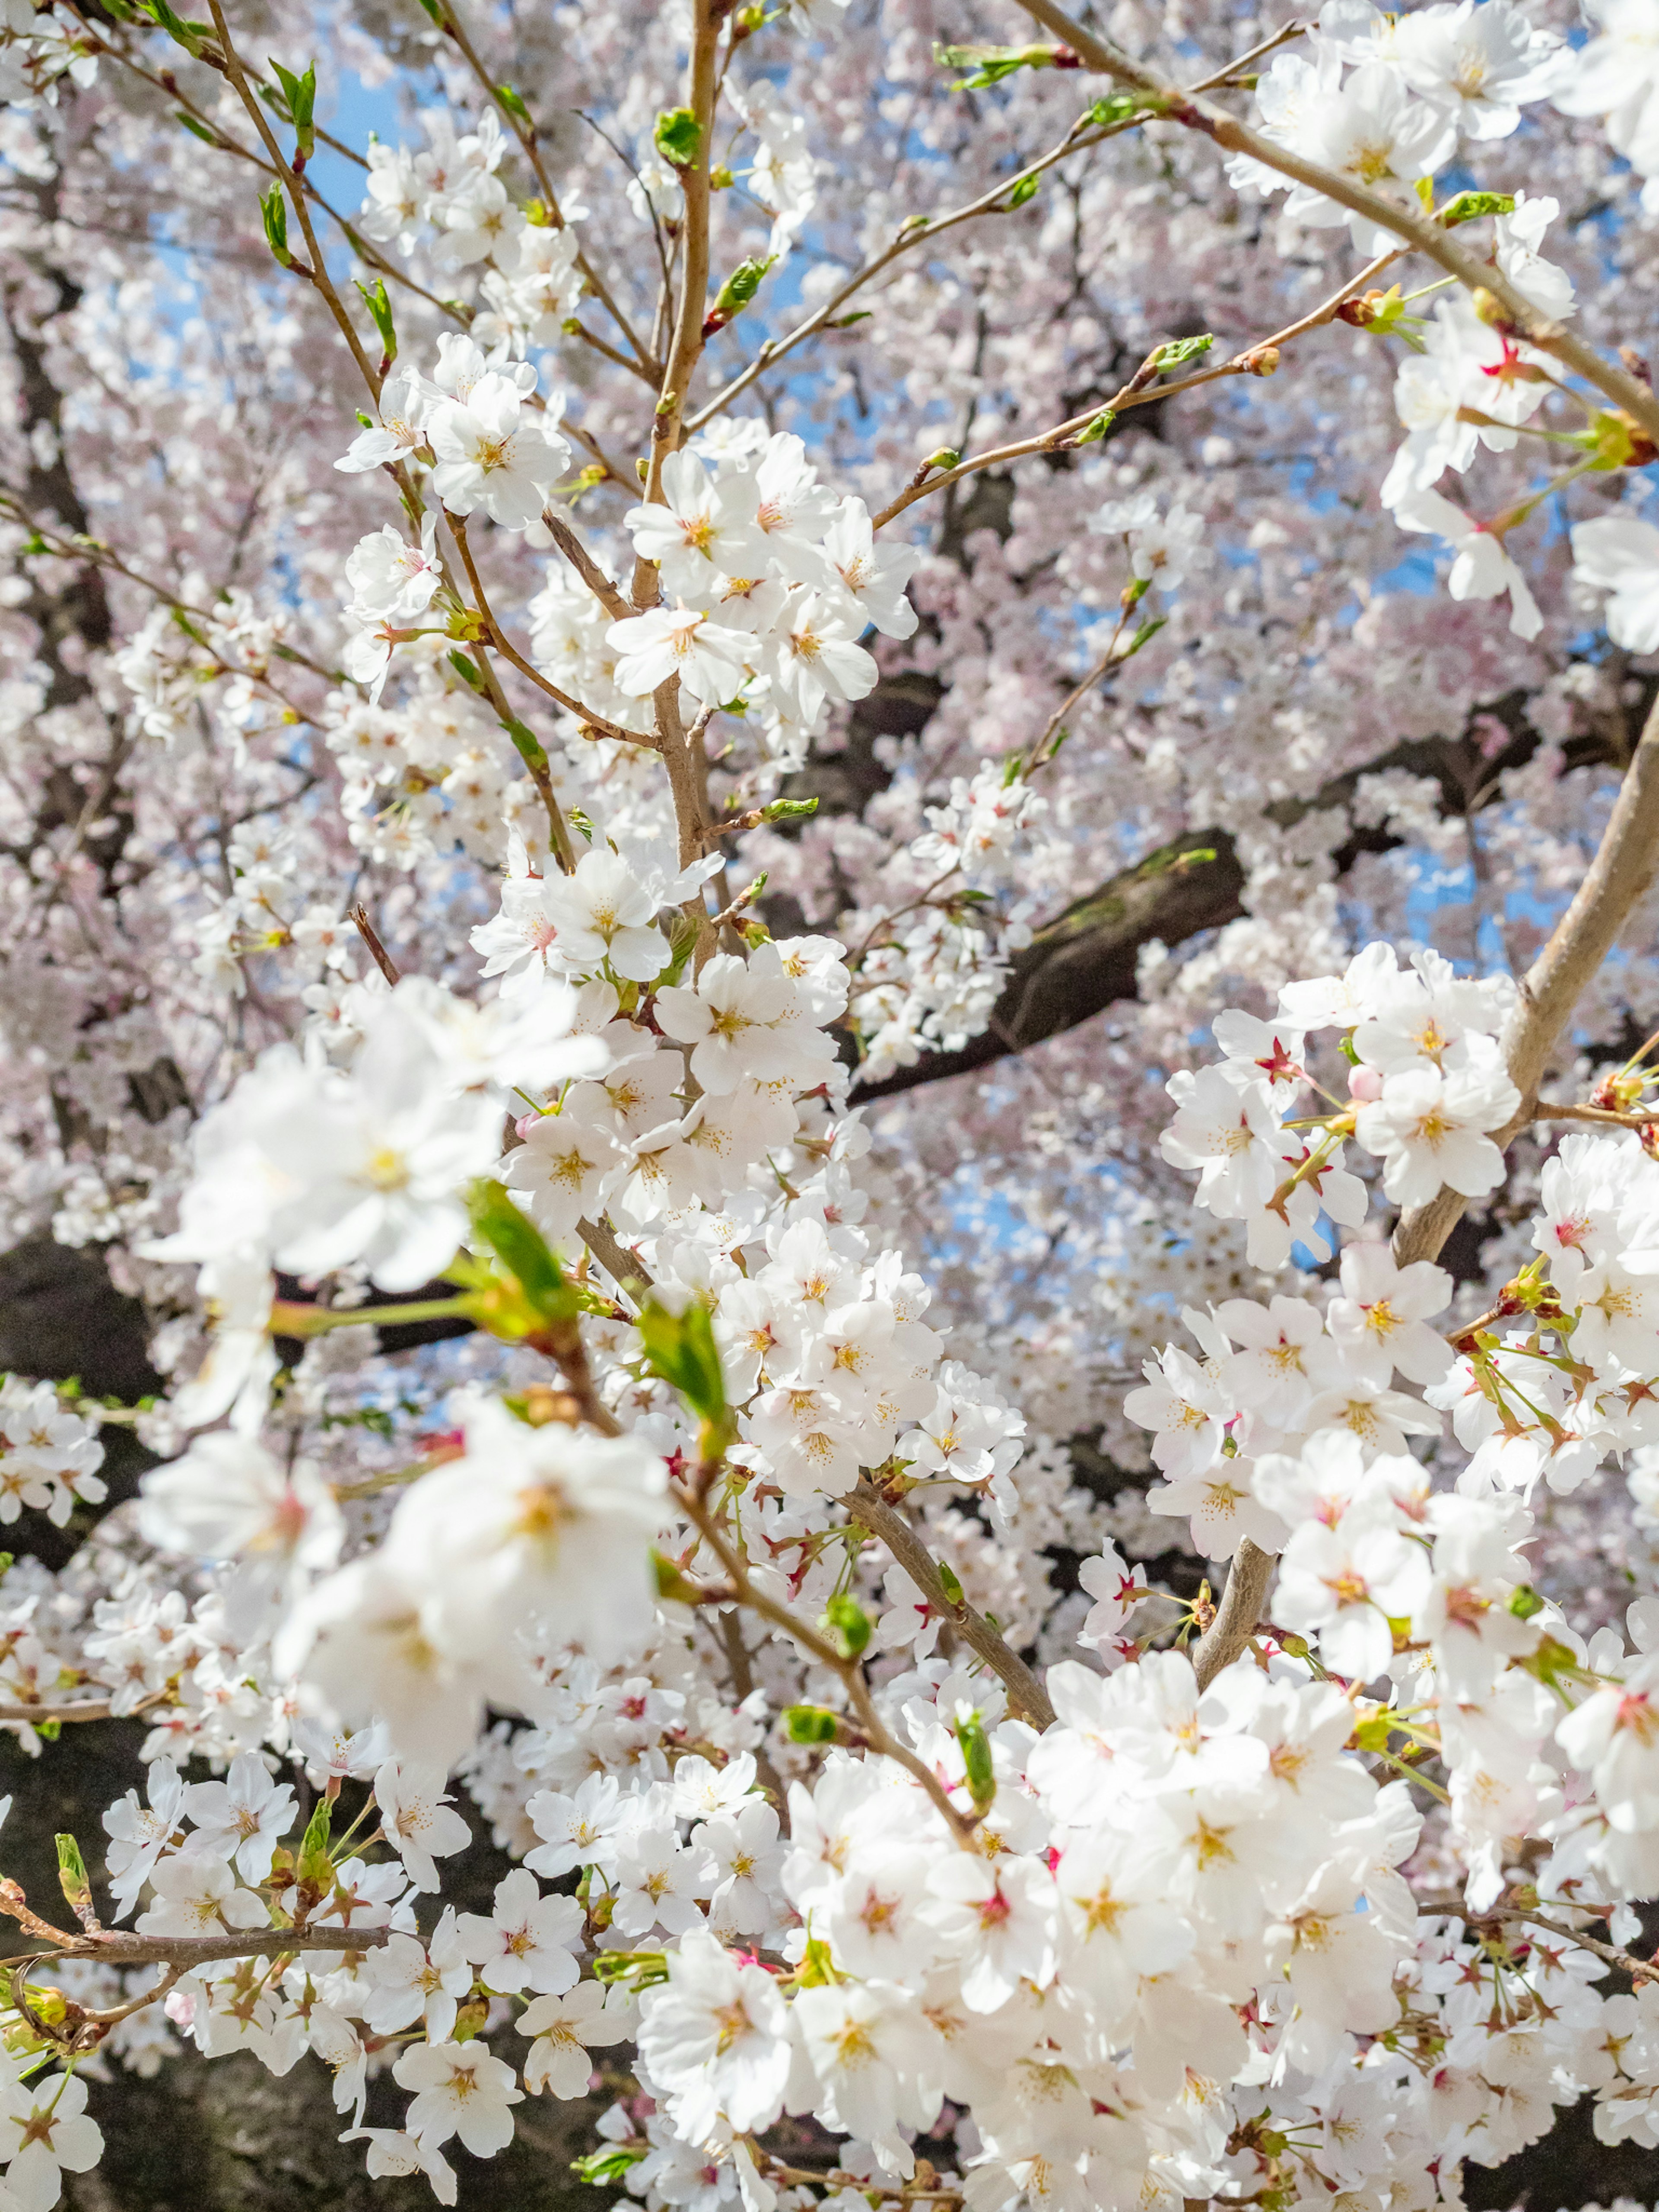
[
  {"x": 314, "y": 1863},
  {"x": 1524, "y": 1602},
  {"x": 809, "y": 1724},
  {"x": 1465, "y": 207},
  {"x": 988, "y": 65},
  {"x": 499, "y": 1222},
  {"x": 789, "y": 810},
  {"x": 512, "y": 102},
  {"x": 531, "y": 749},
  {"x": 72, "y": 1877},
  {"x": 1024, "y": 190},
  {"x": 1117, "y": 109},
  {"x": 603, "y": 2169},
  {"x": 678, "y": 137},
  {"x": 1095, "y": 429},
  {"x": 734, "y": 295},
  {"x": 948, "y": 1576},
  {"x": 1144, "y": 636},
  {"x": 850, "y": 1622},
  {"x": 975, "y": 1749}
]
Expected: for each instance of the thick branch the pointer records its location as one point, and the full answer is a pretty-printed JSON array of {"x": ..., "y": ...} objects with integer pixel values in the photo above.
[
  {"x": 1228, "y": 1635},
  {"x": 1621, "y": 874},
  {"x": 1086, "y": 959}
]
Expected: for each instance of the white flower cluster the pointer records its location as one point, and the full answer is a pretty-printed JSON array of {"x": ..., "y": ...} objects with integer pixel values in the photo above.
[
  {"x": 1385, "y": 99},
  {"x": 38, "y": 50},
  {"x": 773, "y": 581},
  {"x": 435, "y": 768},
  {"x": 930, "y": 977},
  {"x": 49, "y": 1455}
]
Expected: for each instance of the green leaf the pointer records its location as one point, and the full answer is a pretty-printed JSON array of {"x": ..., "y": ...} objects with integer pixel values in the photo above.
[
  {"x": 850, "y": 1622},
  {"x": 1117, "y": 109},
  {"x": 379, "y": 308},
  {"x": 1524, "y": 1602},
  {"x": 274, "y": 211},
  {"x": 680, "y": 1347},
  {"x": 199, "y": 129},
  {"x": 738, "y": 289},
  {"x": 467, "y": 671},
  {"x": 512, "y": 102},
  {"x": 952, "y": 1582},
  {"x": 789, "y": 810},
  {"x": 678, "y": 137},
  {"x": 1182, "y": 349},
  {"x": 1144, "y": 635},
  {"x": 811, "y": 1724},
  {"x": 1024, "y": 190},
  {"x": 433, "y": 8},
  {"x": 977, "y": 1760},
  {"x": 1465, "y": 207},
  {"x": 1095, "y": 429},
  {"x": 189, "y": 35},
  {"x": 522, "y": 1250},
  {"x": 301, "y": 94}
]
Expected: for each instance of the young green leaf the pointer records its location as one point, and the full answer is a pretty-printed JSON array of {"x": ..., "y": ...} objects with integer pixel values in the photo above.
[
  {"x": 273, "y": 208},
  {"x": 1182, "y": 349},
  {"x": 680, "y": 1347},
  {"x": 379, "y": 308},
  {"x": 677, "y": 135},
  {"x": 522, "y": 1250}
]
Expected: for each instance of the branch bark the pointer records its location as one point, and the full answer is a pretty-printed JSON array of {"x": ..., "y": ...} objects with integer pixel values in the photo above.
[{"x": 1026, "y": 1694}]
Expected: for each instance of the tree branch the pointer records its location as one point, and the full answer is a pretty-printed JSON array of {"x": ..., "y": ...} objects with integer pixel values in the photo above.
[
  {"x": 1417, "y": 229},
  {"x": 1027, "y": 1695}
]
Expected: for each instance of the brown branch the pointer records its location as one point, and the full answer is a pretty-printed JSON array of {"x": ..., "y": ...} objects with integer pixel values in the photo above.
[
  {"x": 1077, "y": 140},
  {"x": 1622, "y": 872},
  {"x": 587, "y": 568},
  {"x": 1237, "y": 1616},
  {"x": 358, "y": 917},
  {"x": 83, "y": 1709},
  {"x": 1026, "y": 1694},
  {"x": 869, "y": 1726},
  {"x": 1141, "y": 391},
  {"x": 685, "y": 348},
  {"x": 294, "y": 185}
]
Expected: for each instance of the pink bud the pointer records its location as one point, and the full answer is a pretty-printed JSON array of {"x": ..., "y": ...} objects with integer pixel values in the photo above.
[
  {"x": 524, "y": 1125},
  {"x": 1364, "y": 1084}
]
